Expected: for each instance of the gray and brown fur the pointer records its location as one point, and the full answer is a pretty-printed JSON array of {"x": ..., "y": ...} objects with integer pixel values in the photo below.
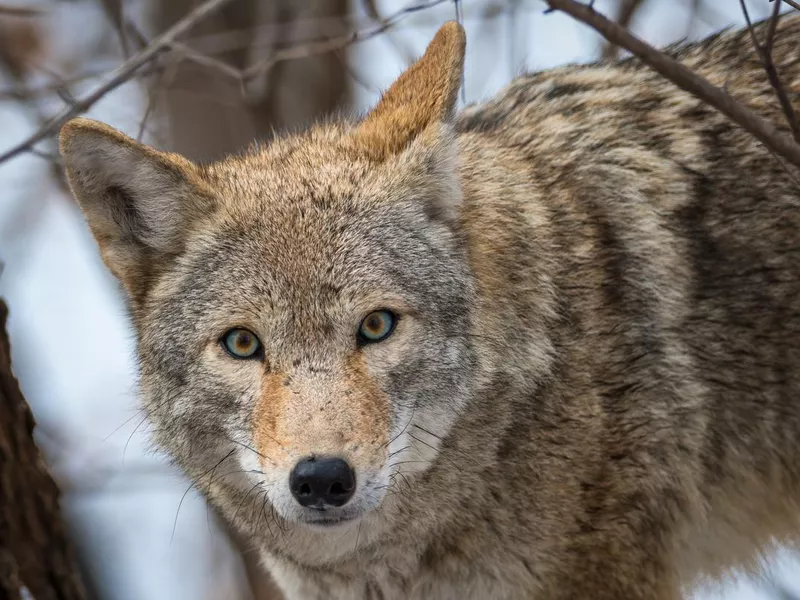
[{"x": 593, "y": 390}]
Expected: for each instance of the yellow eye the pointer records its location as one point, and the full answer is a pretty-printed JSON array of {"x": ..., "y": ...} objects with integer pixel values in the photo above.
[
  {"x": 241, "y": 343},
  {"x": 376, "y": 326}
]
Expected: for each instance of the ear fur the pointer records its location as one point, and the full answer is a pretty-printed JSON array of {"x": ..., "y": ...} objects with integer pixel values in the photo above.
[
  {"x": 423, "y": 95},
  {"x": 137, "y": 200}
]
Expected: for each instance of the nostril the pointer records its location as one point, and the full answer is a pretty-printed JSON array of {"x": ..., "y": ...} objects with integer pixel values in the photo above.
[
  {"x": 304, "y": 490},
  {"x": 337, "y": 489}
]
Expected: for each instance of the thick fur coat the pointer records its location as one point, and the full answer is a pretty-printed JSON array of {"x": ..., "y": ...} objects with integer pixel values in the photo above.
[{"x": 592, "y": 384}]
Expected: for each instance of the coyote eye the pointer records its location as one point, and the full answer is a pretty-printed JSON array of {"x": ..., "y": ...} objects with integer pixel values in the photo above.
[
  {"x": 376, "y": 326},
  {"x": 241, "y": 343}
]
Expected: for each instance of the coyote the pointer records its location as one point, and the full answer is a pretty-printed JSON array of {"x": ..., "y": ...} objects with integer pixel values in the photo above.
[{"x": 547, "y": 347}]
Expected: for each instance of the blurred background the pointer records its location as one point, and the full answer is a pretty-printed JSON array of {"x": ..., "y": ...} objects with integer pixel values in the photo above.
[{"x": 253, "y": 69}]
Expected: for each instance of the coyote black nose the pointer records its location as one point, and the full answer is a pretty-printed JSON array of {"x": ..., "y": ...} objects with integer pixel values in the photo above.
[{"x": 322, "y": 482}]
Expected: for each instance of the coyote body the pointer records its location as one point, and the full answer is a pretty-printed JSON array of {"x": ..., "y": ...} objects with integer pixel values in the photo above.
[{"x": 592, "y": 384}]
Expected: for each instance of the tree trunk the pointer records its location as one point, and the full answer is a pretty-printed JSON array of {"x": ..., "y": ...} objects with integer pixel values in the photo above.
[{"x": 35, "y": 552}]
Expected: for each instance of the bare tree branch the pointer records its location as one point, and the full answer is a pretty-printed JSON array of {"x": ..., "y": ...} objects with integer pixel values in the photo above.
[
  {"x": 19, "y": 11},
  {"x": 684, "y": 78},
  {"x": 152, "y": 99},
  {"x": 186, "y": 52},
  {"x": 24, "y": 93},
  {"x": 792, "y": 3},
  {"x": 315, "y": 47},
  {"x": 115, "y": 10},
  {"x": 118, "y": 77},
  {"x": 402, "y": 49},
  {"x": 765, "y": 55},
  {"x": 773, "y": 25},
  {"x": 167, "y": 42}
]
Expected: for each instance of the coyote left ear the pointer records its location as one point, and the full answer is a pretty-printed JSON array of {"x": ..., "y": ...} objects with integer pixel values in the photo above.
[
  {"x": 139, "y": 202},
  {"x": 425, "y": 94}
]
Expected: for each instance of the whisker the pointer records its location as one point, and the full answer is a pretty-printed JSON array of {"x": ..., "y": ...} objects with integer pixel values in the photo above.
[
  {"x": 398, "y": 451},
  {"x": 441, "y": 439},
  {"x": 264, "y": 514},
  {"x": 236, "y": 513},
  {"x": 183, "y": 497},
  {"x": 424, "y": 443},
  {"x": 125, "y": 422},
  {"x": 406, "y": 462},
  {"x": 389, "y": 443},
  {"x": 256, "y": 471},
  {"x": 255, "y": 504},
  {"x": 256, "y": 452},
  {"x": 438, "y": 453},
  {"x": 168, "y": 396},
  {"x": 276, "y": 441},
  {"x": 408, "y": 485},
  {"x": 130, "y": 437}
]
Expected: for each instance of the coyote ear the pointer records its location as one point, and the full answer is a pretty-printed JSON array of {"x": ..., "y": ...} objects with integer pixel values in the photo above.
[
  {"x": 425, "y": 94},
  {"x": 137, "y": 200}
]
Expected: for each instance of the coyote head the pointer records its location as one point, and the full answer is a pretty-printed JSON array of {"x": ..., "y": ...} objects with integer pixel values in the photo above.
[{"x": 302, "y": 310}]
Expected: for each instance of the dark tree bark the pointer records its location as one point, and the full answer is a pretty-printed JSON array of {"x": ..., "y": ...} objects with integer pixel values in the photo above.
[{"x": 35, "y": 551}]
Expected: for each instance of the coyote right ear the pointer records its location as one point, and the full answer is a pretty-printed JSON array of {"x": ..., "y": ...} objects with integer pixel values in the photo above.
[
  {"x": 137, "y": 200},
  {"x": 425, "y": 94}
]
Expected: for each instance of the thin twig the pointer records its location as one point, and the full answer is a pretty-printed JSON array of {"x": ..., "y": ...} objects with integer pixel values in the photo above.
[
  {"x": 300, "y": 50},
  {"x": 792, "y": 3},
  {"x": 355, "y": 75},
  {"x": 187, "y": 52},
  {"x": 144, "y": 61},
  {"x": 152, "y": 98},
  {"x": 693, "y": 12},
  {"x": 48, "y": 156},
  {"x": 684, "y": 78},
  {"x": 314, "y": 47},
  {"x": 204, "y": 60},
  {"x": 115, "y": 11},
  {"x": 400, "y": 46},
  {"x": 19, "y": 11},
  {"x": 773, "y": 25},
  {"x": 765, "y": 55},
  {"x": 24, "y": 93},
  {"x": 627, "y": 10},
  {"x": 122, "y": 74}
]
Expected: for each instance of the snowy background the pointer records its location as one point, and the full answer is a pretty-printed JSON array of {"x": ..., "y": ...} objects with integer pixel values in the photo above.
[{"x": 73, "y": 347}]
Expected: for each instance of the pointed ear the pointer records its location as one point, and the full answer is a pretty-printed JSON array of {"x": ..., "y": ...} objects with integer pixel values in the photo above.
[
  {"x": 424, "y": 95},
  {"x": 138, "y": 201}
]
